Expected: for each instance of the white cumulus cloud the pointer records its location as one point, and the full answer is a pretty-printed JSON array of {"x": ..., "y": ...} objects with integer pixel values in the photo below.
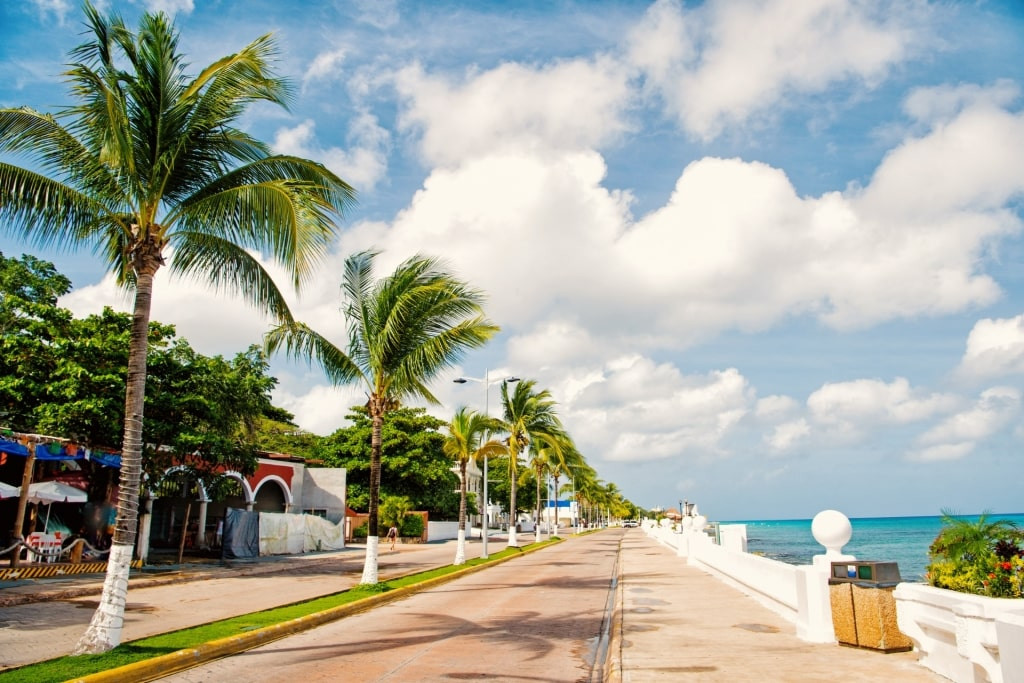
[
  {"x": 362, "y": 165},
  {"x": 995, "y": 347},
  {"x": 728, "y": 61}
]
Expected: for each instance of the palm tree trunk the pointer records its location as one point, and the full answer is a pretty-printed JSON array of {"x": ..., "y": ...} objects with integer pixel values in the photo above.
[
  {"x": 372, "y": 539},
  {"x": 556, "y": 503},
  {"x": 460, "y": 549},
  {"x": 536, "y": 530},
  {"x": 512, "y": 541},
  {"x": 104, "y": 632}
]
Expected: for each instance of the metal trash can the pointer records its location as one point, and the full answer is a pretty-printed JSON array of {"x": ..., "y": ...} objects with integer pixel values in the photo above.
[{"x": 863, "y": 608}]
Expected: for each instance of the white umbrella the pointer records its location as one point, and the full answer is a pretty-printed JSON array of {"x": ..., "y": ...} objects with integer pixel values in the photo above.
[
  {"x": 48, "y": 492},
  {"x": 8, "y": 491}
]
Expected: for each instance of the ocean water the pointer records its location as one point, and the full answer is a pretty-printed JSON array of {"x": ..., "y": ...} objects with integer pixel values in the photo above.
[{"x": 903, "y": 540}]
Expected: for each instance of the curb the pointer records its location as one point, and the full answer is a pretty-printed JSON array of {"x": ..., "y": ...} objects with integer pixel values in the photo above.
[
  {"x": 613, "y": 658},
  {"x": 158, "y": 667}
]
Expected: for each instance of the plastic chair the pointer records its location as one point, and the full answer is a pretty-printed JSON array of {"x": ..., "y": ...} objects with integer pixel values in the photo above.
[{"x": 34, "y": 541}]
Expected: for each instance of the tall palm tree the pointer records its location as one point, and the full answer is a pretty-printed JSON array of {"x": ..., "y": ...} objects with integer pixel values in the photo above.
[
  {"x": 527, "y": 414},
  {"x": 403, "y": 331},
  {"x": 567, "y": 461},
  {"x": 147, "y": 165},
  {"x": 540, "y": 463},
  {"x": 549, "y": 455},
  {"x": 584, "y": 483},
  {"x": 465, "y": 442}
]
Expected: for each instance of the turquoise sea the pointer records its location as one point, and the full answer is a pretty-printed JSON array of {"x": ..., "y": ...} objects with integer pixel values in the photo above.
[{"x": 904, "y": 540}]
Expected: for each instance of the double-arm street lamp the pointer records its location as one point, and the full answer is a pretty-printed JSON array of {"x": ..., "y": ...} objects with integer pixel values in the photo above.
[{"x": 487, "y": 382}]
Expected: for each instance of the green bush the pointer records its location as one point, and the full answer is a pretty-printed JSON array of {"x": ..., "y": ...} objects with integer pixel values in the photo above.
[
  {"x": 412, "y": 525},
  {"x": 392, "y": 510},
  {"x": 983, "y": 557},
  {"x": 362, "y": 531}
]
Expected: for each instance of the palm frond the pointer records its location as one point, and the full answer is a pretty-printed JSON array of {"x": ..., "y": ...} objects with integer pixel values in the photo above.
[
  {"x": 227, "y": 267},
  {"x": 49, "y": 213},
  {"x": 285, "y": 204},
  {"x": 300, "y": 342}
]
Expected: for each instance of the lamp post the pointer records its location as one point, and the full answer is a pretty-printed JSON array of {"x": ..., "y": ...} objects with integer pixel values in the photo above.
[{"x": 486, "y": 381}]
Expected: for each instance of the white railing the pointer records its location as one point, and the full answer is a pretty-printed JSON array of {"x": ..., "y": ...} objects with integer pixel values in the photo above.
[
  {"x": 773, "y": 583},
  {"x": 961, "y": 636},
  {"x": 797, "y": 593}
]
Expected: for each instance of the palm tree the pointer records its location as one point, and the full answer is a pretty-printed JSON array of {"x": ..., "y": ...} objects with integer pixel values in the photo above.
[
  {"x": 549, "y": 455},
  {"x": 962, "y": 539},
  {"x": 466, "y": 433},
  {"x": 527, "y": 415},
  {"x": 540, "y": 464},
  {"x": 148, "y": 166},
  {"x": 584, "y": 483},
  {"x": 403, "y": 331},
  {"x": 567, "y": 462}
]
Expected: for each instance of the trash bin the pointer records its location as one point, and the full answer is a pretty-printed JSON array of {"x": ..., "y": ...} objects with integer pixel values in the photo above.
[{"x": 863, "y": 608}]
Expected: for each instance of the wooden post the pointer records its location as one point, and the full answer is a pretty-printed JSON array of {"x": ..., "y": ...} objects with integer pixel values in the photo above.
[
  {"x": 184, "y": 532},
  {"x": 19, "y": 520}
]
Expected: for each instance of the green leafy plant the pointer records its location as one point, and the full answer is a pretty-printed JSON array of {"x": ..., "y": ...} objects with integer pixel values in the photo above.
[
  {"x": 412, "y": 526},
  {"x": 393, "y": 510},
  {"x": 982, "y": 556}
]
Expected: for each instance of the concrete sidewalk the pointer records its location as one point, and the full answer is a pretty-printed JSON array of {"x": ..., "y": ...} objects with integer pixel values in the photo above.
[
  {"x": 674, "y": 621},
  {"x": 44, "y": 619}
]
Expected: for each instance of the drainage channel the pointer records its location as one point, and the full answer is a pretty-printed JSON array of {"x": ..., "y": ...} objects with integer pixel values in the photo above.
[{"x": 600, "y": 652}]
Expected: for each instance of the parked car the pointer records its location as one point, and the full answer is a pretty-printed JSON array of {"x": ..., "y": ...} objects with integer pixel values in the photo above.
[{"x": 630, "y": 524}]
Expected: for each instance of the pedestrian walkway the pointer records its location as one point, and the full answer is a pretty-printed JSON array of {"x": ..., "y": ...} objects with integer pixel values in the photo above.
[{"x": 675, "y": 622}]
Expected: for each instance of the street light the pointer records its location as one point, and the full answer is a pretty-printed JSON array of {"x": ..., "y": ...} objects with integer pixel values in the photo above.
[{"x": 487, "y": 382}]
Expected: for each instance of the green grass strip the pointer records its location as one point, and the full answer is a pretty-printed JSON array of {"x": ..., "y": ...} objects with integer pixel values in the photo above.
[{"x": 76, "y": 666}]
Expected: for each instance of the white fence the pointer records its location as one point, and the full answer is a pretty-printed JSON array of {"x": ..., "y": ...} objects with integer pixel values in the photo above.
[
  {"x": 444, "y": 531},
  {"x": 796, "y": 593}
]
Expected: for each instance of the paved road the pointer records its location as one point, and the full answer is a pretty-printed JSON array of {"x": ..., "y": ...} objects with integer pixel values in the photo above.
[
  {"x": 536, "y": 618},
  {"x": 44, "y": 630}
]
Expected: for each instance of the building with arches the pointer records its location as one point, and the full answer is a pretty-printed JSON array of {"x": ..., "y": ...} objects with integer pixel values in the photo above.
[{"x": 182, "y": 505}]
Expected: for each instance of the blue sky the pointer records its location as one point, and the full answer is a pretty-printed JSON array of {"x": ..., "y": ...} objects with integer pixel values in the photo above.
[{"x": 766, "y": 255}]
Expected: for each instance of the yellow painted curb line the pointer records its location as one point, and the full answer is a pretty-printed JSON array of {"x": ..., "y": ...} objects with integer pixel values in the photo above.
[{"x": 163, "y": 665}]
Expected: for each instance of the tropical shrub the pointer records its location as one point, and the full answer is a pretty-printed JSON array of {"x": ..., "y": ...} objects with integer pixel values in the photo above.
[
  {"x": 983, "y": 557},
  {"x": 412, "y": 526},
  {"x": 393, "y": 510}
]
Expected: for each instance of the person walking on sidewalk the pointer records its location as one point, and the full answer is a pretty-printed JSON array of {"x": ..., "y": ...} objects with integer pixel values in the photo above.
[{"x": 393, "y": 535}]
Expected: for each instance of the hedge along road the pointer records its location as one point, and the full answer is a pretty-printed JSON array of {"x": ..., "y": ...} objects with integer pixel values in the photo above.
[{"x": 537, "y": 618}]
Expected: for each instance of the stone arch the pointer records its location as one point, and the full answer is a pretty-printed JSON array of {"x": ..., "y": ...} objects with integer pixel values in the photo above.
[{"x": 272, "y": 498}]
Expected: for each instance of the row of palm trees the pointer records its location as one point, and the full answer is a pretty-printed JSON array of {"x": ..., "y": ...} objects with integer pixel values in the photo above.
[
  {"x": 148, "y": 169},
  {"x": 529, "y": 432}
]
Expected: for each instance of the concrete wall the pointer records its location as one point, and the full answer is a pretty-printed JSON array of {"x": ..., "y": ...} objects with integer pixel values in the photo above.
[
  {"x": 323, "y": 488},
  {"x": 961, "y": 636},
  {"x": 443, "y": 531}
]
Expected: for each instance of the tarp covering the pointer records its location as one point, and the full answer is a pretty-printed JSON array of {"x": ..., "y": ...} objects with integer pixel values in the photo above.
[
  {"x": 281, "y": 534},
  {"x": 241, "y": 537},
  {"x": 287, "y": 534},
  {"x": 323, "y": 535}
]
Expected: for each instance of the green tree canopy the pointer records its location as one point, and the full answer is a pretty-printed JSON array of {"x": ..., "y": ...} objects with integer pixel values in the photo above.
[
  {"x": 413, "y": 462},
  {"x": 30, "y": 323}
]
